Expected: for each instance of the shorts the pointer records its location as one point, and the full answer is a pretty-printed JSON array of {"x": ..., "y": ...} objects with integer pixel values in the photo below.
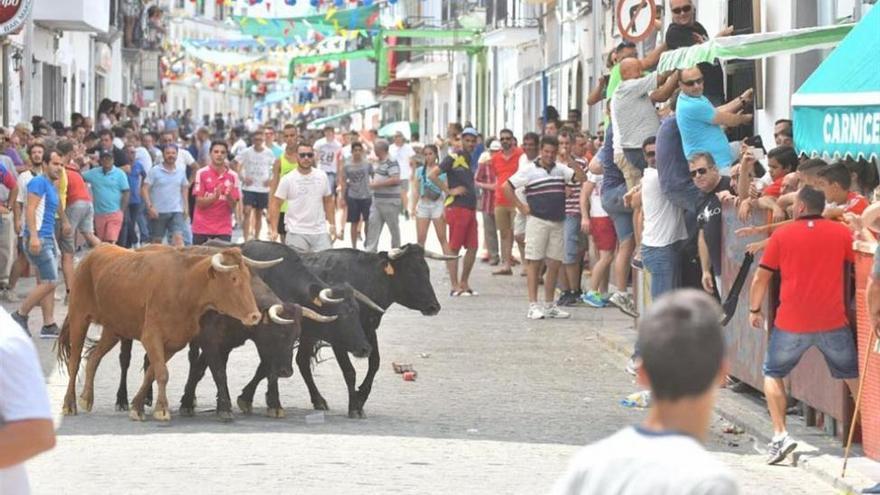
[
  {"x": 504, "y": 217},
  {"x": 108, "y": 225},
  {"x": 519, "y": 224},
  {"x": 258, "y": 200},
  {"x": 431, "y": 209},
  {"x": 612, "y": 202},
  {"x": 81, "y": 215},
  {"x": 199, "y": 239},
  {"x": 543, "y": 239},
  {"x": 631, "y": 163},
  {"x": 45, "y": 262},
  {"x": 308, "y": 243},
  {"x": 66, "y": 243},
  {"x": 331, "y": 181},
  {"x": 282, "y": 229},
  {"x": 785, "y": 349},
  {"x": 358, "y": 209},
  {"x": 167, "y": 223},
  {"x": 462, "y": 228},
  {"x": 573, "y": 240},
  {"x": 602, "y": 232}
]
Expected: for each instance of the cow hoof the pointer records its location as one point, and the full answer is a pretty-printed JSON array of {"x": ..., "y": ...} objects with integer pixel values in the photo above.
[
  {"x": 225, "y": 416},
  {"x": 275, "y": 412},
  {"x": 85, "y": 405},
  {"x": 68, "y": 411},
  {"x": 136, "y": 415},
  {"x": 245, "y": 406},
  {"x": 321, "y": 405},
  {"x": 121, "y": 406},
  {"x": 187, "y": 411},
  {"x": 161, "y": 415},
  {"x": 358, "y": 414}
]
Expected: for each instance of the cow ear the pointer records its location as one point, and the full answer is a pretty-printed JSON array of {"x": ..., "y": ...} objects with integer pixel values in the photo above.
[{"x": 389, "y": 270}]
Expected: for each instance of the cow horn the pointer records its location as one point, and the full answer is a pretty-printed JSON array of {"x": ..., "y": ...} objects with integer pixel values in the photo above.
[
  {"x": 260, "y": 264},
  {"x": 273, "y": 314},
  {"x": 438, "y": 256},
  {"x": 314, "y": 315},
  {"x": 326, "y": 296},
  {"x": 360, "y": 296},
  {"x": 396, "y": 253},
  {"x": 217, "y": 263}
]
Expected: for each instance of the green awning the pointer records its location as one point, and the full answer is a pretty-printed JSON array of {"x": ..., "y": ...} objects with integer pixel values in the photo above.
[
  {"x": 837, "y": 109},
  {"x": 315, "y": 124}
]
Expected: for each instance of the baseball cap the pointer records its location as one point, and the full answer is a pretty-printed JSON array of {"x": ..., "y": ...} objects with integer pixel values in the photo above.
[
  {"x": 469, "y": 131},
  {"x": 495, "y": 146}
]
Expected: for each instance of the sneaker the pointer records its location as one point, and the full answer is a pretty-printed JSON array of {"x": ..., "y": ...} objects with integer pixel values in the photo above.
[
  {"x": 594, "y": 299},
  {"x": 22, "y": 320},
  {"x": 625, "y": 303},
  {"x": 778, "y": 450},
  {"x": 535, "y": 312},
  {"x": 49, "y": 331},
  {"x": 563, "y": 298},
  {"x": 553, "y": 311}
]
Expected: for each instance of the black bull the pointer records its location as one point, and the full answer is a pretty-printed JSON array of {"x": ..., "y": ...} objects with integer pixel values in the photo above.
[
  {"x": 399, "y": 276},
  {"x": 220, "y": 334}
]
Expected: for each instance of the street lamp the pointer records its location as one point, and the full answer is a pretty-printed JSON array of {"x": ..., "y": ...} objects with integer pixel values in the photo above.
[{"x": 16, "y": 61}]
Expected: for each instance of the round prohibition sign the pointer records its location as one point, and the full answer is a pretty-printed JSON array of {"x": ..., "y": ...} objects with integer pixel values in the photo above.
[{"x": 634, "y": 12}]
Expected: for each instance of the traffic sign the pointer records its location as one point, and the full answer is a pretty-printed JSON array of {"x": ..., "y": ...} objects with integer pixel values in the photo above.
[
  {"x": 13, "y": 14},
  {"x": 635, "y": 19}
]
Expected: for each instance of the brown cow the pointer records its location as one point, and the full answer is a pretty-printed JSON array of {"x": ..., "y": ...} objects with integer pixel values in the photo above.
[{"x": 156, "y": 297}]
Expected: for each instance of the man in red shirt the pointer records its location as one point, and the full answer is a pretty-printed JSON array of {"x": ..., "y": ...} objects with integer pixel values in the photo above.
[
  {"x": 216, "y": 192},
  {"x": 505, "y": 163},
  {"x": 835, "y": 180},
  {"x": 811, "y": 256}
]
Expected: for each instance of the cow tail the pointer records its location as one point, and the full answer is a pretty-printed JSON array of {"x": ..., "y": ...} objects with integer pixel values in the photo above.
[{"x": 62, "y": 345}]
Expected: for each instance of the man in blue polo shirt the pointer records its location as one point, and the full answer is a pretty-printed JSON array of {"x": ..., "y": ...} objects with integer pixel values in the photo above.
[
  {"x": 700, "y": 122},
  {"x": 38, "y": 243},
  {"x": 110, "y": 190}
]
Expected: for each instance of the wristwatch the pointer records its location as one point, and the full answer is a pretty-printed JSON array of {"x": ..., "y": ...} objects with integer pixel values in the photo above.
[{"x": 754, "y": 311}]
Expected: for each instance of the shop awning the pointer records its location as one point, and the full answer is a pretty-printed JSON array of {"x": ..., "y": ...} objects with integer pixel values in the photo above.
[
  {"x": 837, "y": 110},
  {"x": 317, "y": 123}
]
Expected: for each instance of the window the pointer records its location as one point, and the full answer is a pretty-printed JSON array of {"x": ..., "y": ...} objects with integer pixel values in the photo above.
[
  {"x": 744, "y": 16},
  {"x": 180, "y": 4},
  {"x": 200, "y": 7}
]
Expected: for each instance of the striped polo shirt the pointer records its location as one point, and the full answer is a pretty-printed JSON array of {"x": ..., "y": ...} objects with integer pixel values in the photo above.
[
  {"x": 545, "y": 189},
  {"x": 384, "y": 170}
]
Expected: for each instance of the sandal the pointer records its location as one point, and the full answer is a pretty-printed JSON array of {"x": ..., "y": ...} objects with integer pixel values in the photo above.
[
  {"x": 455, "y": 293},
  {"x": 503, "y": 271},
  {"x": 469, "y": 293}
]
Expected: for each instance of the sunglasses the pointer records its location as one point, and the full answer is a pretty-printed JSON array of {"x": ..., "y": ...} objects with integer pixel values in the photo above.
[
  {"x": 506, "y": 138},
  {"x": 698, "y": 172},
  {"x": 693, "y": 82},
  {"x": 306, "y": 155},
  {"x": 682, "y": 10}
]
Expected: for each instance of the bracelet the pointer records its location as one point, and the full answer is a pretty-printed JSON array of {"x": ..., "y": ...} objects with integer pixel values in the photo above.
[{"x": 754, "y": 311}]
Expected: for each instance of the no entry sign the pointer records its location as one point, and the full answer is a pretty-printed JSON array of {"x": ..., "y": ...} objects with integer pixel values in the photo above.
[
  {"x": 13, "y": 14},
  {"x": 635, "y": 19}
]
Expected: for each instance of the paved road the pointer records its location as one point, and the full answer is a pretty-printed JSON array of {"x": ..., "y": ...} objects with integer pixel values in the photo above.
[{"x": 499, "y": 406}]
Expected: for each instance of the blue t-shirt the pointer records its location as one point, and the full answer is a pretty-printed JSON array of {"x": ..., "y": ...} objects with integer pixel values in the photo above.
[
  {"x": 46, "y": 209},
  {"x": 612, "y": 176},
  {"x": 698, "y": 133},
  {"x": 107, "y": 189},
  {"x": 165, "y": 187},
  {"x": 134, "y": 182}
]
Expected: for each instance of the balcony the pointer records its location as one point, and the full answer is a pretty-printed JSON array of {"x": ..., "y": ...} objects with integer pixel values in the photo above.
[
  {"x": 511, "y": 23},
  {"x": 73, "y": 15}
]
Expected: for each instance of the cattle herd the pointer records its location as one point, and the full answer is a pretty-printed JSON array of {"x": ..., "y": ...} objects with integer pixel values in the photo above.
[{"x": 216, "y": 297}]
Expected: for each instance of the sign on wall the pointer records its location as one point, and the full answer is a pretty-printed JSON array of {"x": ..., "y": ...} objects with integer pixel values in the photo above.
[
  {"x": 13, "y": 14},
  {"x": 636, "y": 19}
]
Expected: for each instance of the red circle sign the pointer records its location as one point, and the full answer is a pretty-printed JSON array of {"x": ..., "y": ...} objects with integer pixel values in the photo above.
[
  {"x": 626, "y": 20},
  {"x": 13, "y": 13}
]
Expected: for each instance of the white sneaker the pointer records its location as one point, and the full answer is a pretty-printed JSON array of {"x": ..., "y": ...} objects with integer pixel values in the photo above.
[
  {"x": 535, "y": 312},
  {"x": 553, "y": 311}
]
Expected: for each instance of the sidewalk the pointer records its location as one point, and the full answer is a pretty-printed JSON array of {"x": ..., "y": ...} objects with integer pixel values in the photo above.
[{"x": 817, "y": 452}]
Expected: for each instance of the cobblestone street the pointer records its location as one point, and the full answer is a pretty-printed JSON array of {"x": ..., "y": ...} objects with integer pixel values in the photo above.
[{"x": 499, "y": 406}]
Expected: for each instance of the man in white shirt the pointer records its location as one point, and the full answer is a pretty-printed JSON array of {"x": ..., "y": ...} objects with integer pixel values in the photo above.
[
  {"x": 327, "y": 148},
  {"x": 310, "y": 209},
  {"x": 683, "y": 364},
  {"x": 255, "y": 169},
  {"x": 401, "y": 152},
  {"x": 186, "y": 162},
  {"x": 26, "y": 428}
]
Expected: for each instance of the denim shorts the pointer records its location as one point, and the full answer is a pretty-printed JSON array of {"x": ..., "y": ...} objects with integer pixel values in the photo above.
[
  {"x": 573, "y": 240},
  {"x": 612, "y": 201},
  {"x": 46, "y": 262},
  {"x": 165, "y": 224},
  {"x": 786, "y": 349}
]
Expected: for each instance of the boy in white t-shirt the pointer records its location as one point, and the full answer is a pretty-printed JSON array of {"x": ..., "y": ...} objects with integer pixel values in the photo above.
[
  {"x": 596, "y": 222},
  {"x": 25, "y": 419},
  {"x": 683, "y": 363}
]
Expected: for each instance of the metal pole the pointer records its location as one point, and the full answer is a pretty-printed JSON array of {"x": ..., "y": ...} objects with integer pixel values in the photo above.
[
  {"x": 598, "y": 14},
  {"x": 5, "y": 56},
  {"x": 27, "y": 67}
]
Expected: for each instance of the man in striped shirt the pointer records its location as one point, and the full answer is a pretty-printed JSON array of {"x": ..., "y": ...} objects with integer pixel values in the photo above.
[{"x": 544, "y": 185}]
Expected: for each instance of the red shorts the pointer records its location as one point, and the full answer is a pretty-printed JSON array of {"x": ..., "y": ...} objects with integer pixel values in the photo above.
[
  {"x": 107, "y": 226},
  {"x": 602, "y": 232},
  {"x": 462, "y": 228}
]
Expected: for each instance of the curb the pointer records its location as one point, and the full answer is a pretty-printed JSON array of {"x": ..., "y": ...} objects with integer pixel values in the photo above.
[{"x": 812, "y": 459}]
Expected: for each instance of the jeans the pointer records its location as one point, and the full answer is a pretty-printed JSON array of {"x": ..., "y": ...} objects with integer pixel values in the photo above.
[
  {"x": 664, "y": 265},
  {"x": 490, "y": 235},
  {"x": 7, "y": 246},
  {"x": 135, "y": 222}
]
